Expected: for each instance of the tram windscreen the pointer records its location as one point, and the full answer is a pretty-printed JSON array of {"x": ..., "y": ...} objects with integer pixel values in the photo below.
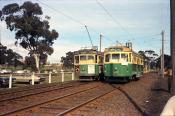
[
  {"x": 116, "y": 57},
  {"x": 83, "y": 57},
  {"x": 107, "y": 57},
  {"x": 124, "y": 57},
  {"x": 90, "y": 57}
]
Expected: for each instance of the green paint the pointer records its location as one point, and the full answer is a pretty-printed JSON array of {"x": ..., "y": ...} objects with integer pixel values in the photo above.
[
  {"x": 85, "y": 71},
  {"x": 118, "y": 70}
]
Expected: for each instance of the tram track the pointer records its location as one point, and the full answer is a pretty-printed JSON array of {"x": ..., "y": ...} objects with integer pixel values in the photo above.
[
  {"x": 72, "y": 102},
  {"x": 86, "y": 102},
  {"x": 34, "y": 91},
  {"x": 28, "y": 88},
  {"x": 20, "y": 107},
  {"x": 77, "y": 110}
]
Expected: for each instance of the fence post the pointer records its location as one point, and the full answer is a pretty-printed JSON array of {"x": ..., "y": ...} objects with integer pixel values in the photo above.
[
  {"x": 33, "y": 76},
  {"x": 50, "y": 73},
  {"x": 10, "y": 81},
  {"x": 73, "y": 76},
  {"x": 62, "y": 76}
]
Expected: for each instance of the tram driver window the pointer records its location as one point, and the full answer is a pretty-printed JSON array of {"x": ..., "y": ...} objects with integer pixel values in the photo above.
[
  {"x": 83, "y": 57},
  {"x": 115, "y": 57},
  {"x": 124, "y": 57},
  {"x": 91, "y": 57},
  {"x": 107, "y": 57},
  {"x": 77, "y": 59}
]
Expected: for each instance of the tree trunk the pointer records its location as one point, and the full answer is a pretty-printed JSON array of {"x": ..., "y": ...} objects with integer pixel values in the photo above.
[{"x": 36, "y": 56}]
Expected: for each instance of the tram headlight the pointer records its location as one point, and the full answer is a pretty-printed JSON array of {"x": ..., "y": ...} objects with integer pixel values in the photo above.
[{"x": 115, "y": 69}]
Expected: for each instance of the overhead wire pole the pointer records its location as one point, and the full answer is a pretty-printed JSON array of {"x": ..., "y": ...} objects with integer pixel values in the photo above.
[
  {"x": 172, "y": 43},
  {"x": 162, "y": 55},
  {"x": 100, "y": 41},
  {"x": 0, "y": 33}
]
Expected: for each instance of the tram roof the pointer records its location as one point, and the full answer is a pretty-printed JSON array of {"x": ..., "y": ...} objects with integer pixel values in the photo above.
[
  {"x": 120, "y": 48},
  {"x": 87, "y": 51}
]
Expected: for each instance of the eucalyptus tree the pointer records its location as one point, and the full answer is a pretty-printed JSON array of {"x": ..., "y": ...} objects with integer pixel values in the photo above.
[
  {"x": 149, "y": 57},
  {"x": 32, "y": 29}
]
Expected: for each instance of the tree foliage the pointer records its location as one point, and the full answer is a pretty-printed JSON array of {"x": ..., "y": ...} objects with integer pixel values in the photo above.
[
  {"x": 8, "y": 56},
  {"x": 167, "y": 61},
  {"x": 68, "y": 61},
  {"x": 31, "y": 30},
  {"x": 149, "y": 58}
]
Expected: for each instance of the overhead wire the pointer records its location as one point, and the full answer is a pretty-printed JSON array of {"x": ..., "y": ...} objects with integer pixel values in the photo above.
[
  {"x": 60, "y": 12},
  {"x": 82, "y": 24},
  {"x": 71, "y": 18},
  {"x": 114, "y": 19}
]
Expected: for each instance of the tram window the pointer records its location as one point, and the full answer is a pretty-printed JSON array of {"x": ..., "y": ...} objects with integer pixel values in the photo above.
[
  {"x": 124, "y": 57},
  {"x": 76, "y": 59},
  {"x": 90, "y": 57},
  {"x": 107, "y": 57},
  {"x": 83, "y": 57},
  {"x": 116, "y": 57}
]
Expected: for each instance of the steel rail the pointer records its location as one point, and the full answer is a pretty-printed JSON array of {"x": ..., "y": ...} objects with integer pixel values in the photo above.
[
  {"x": 84, "y": 103},
  {"x": 33, "y": 88},
  {"x": 37, "y": 92},
  {"x": 44, "y": 102}
]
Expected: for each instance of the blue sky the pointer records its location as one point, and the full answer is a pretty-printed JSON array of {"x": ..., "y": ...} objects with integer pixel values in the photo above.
[{"x": 137, "y": 21}]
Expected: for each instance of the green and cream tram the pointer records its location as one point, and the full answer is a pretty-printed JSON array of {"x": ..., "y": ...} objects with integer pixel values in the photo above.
[
  {"x": 88, "y": 64},
  {"x": 121, "y": 63}
]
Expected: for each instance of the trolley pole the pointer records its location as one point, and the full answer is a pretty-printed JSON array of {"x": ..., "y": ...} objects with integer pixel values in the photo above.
[
  {"x": 162, "y": 56},
  {"x": 172, "y": 43},
  {"x": 100, "y": 42}
]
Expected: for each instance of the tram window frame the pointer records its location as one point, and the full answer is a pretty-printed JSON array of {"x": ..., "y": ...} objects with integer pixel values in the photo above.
[
  {"x": 100, "y": 59},
  {"x": 78, "y": 59},
  {"x": 95, "y": 58},
  {"x": 83, "y": 56},
  {"x": 137, "y": 60},
  {"x": 130, "y": 59},
  {"x": 88, "y": 57},
  {"x": 107, "y": 59},
  {"x": 126, "y": 57},
  {"x": 116, "y": 59}
]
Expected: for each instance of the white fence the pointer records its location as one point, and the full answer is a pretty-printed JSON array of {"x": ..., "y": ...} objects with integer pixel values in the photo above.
[{"x": 32, "y": 76}]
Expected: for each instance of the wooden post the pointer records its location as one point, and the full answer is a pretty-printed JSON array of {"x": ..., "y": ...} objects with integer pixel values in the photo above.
[
  {"x": 50, "y": 73},
  {"x": 10, "y": 81},
  {"x": 62, "y": 76},
  {"x": 33, "y": 76},
  {"x": 73, "y": 76}
]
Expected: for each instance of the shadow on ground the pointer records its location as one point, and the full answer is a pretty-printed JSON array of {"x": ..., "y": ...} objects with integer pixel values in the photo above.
[{"x": 158, "y": 97}]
